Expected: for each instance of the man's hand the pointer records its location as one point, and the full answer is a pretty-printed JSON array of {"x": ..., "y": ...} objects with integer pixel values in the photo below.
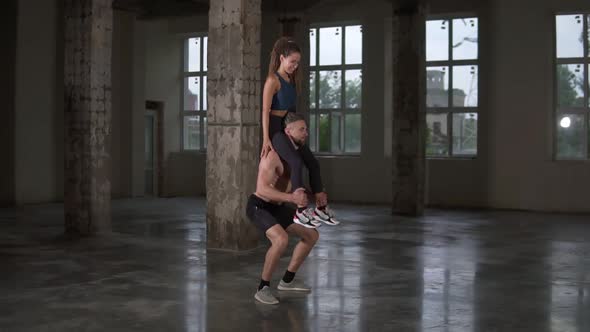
[
  {"x": 299, "y": 197},
  {"x": 321, "y": 199}
]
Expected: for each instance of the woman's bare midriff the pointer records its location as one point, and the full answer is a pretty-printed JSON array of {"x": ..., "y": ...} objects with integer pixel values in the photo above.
[{"x": 278, "y": 113}]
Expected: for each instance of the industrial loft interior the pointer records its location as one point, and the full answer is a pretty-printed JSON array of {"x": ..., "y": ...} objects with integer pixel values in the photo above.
[{"x": 443, "y": 145}]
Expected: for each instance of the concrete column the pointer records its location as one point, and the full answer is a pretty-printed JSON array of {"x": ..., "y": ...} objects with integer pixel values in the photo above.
[
  {"x": 409, "y": 119},
  {"x": 7, "y": 95},
  {"x": 233, "y": 114},
  {"x": 88, "y": 49}
]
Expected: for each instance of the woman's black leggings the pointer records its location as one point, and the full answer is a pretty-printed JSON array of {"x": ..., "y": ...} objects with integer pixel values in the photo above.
[{"x": 296, "y": 158}]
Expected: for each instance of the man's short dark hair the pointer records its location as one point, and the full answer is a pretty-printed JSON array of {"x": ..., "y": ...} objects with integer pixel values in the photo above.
[{"x": 293, "y": 117}]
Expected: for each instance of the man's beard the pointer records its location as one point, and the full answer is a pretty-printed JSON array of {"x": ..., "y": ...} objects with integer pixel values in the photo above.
[{"x": 298, "y": 143}]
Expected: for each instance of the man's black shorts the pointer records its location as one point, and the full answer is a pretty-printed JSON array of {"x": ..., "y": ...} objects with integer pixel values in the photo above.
[{"x": 265, "y": 215}]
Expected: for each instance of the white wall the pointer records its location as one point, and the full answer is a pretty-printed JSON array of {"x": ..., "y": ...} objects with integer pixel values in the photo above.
[
  {"x": 184, "y": 172},
  {"x": 39, "y": 107},
  {"x": 38, "y": 95},
  {"x": 514, "y": 168},
  {"x": 522, "y": 174},
  {"x": 366, "y": 178},
  {"x": 462, "y": 182},
  {"x": 138, "y": 110},
  {"x": 122, "y": 104}
]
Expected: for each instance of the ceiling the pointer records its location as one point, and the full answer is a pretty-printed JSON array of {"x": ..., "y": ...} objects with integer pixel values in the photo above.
[{"x": 167, "y": 8}]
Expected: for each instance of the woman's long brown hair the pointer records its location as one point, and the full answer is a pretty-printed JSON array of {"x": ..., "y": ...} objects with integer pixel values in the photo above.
[{"x": 285, "y": 46}]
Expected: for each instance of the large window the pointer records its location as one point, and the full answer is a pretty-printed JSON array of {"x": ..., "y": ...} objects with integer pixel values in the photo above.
[
  {"x": 194, "y": 101},
  {"x": 335, "y": 92},
  {"x": 572, "y": 93},
  {"x": 452, "y": 87}
]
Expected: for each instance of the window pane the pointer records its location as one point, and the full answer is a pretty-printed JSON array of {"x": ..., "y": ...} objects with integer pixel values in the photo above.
[
  {"x": 570, "y": 85},
  {"x": 465, "y": 86},
  {"x": 570, "y": 136},
  {"x": 354, "y": 45},
  {"x": 588, "y": 33},
  {"x": 324, "y": 133},
  {"x": 312, "y": 131},
  {"x": 194, "y": 54},
  {"x": 330, "y": 87},
  {"x": 465, "y": 133},
  {"x": 465, "y": 38},
  {"x": 312, "y": 89},
  {"x": 336, "y": 132},
  {"x": 437, "y": 40},
  {"x": 354, "y": 89},
  {"x": 353, "y": 133},
  {"x": 312, "y": 46},
  {"x": 192, "y": 132},
  {"x": 330, "y": 46},
  {"x": 437, "y": 86},
  {"x": 437, "y": 140},
  {"x": 191, "y": 93},
  {"x": 204, "y": 92},
  {"x": 569, "y": 36},
  {"x": 205, "y": 41}
]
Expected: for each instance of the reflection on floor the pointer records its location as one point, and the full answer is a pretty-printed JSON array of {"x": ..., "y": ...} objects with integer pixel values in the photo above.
[{"x": 447, "y": 271}]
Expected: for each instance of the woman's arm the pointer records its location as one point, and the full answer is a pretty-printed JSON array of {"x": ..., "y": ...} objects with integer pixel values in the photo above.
[{"x": 270, "y": 88}]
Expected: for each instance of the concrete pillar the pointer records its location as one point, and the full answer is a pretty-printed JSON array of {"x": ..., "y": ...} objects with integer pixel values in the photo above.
[
  {"x": 233, "y": 114},
  {"x": 88, "y": 49},
  {"x": 7, "y": 95},
  {"x": 409, "y": 119}
]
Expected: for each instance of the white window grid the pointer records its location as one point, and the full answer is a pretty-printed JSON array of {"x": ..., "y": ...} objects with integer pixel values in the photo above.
[
  {"x": 316, "y": 112},
  {"x": 450, "y": 110},
  {"x": 584, "y": 110},
  {"x": 202, "y": 75}
]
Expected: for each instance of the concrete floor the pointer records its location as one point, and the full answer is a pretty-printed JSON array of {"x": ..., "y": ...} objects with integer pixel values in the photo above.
[{"x": 448, "y": 271}]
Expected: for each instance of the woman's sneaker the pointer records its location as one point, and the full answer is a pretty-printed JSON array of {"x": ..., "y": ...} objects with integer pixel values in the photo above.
[
  {"x": 326, "y": 216},
  {"x": 305, "y": 218}
]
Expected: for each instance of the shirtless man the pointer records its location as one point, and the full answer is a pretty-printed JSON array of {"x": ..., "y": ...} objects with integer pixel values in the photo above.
[{"x": 266, "y": 209}]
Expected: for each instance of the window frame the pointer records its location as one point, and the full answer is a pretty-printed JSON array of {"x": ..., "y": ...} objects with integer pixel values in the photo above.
[
  {"x": 450, "y": 110},
  {"x": 585, "y": 109},
  {"x": 184, "y": 75},
  {"x": 315, "y": 113}
]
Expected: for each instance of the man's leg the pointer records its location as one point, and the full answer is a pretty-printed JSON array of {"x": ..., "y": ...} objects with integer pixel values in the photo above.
[
  {"x": 279, "y": 241},
  {"x": 308, "y": 238},
  {"x": 261, "y": 214}
]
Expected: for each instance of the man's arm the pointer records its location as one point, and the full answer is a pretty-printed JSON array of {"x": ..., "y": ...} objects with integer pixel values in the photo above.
[{"x": 265, "y": 183}]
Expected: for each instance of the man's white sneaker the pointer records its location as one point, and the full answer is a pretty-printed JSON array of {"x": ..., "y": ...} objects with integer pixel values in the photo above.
[
  {"x": 295, "y": 285},
  {"x": 326, "y": 216},
  {"x": 266, "y": 296}
]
